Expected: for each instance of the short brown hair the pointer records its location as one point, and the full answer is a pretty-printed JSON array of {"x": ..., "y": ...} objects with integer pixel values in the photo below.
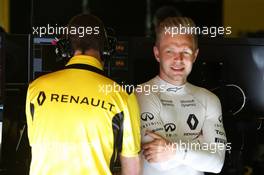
[
  {"x": 88, "y": 41},
  {"x": 175, "y": 22}
]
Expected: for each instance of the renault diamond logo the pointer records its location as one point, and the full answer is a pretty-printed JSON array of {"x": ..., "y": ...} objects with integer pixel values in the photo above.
[
  {"x": 192, "y": 121},
  {"x": 41, "y": 98},
  {"x": 170, "y": 127},
  {"x": 145, "y": 116}
]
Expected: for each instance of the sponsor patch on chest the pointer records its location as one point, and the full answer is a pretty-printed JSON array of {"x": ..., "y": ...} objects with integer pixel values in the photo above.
[
  {"x": 167, "y": 102},
  {"x": 187, "y": 103}
]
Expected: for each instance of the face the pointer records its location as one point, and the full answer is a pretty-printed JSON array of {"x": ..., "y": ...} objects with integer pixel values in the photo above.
[{"x": 176, "y": 56}]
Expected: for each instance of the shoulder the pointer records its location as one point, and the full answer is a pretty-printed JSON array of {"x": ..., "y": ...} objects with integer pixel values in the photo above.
[
  {"x": 148, "y": 93},
  {"x": 151, "y": 87},
  {"x": 44, "y": 79},
  {"x": 203, "y": 94},
  {"x": 41, "y": 84}
]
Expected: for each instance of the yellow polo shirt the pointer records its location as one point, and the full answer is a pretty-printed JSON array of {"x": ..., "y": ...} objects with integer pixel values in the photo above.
[{"x": 74, "y": 126}]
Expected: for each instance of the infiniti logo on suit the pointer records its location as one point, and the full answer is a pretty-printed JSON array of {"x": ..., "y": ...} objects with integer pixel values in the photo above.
[
  {"x": 145, "y": 116},
  {"x": 170, "y": 127}
]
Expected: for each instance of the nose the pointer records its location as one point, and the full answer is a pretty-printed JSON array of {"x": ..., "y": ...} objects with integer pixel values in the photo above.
[{"x": 177, "y": 57}]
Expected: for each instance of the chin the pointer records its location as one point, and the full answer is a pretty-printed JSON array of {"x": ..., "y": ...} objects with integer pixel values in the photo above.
[
  {"x": 178, "y": 79},
  {"x": 177, "y": 75}
]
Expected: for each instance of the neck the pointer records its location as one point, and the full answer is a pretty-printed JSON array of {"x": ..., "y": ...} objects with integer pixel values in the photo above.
[
  {"x": 91, "y": 52},
  {"x": 176, "y": 81}
]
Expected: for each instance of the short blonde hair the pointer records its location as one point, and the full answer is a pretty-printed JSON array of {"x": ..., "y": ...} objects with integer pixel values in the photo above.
[{"x": 175, "y": 22}]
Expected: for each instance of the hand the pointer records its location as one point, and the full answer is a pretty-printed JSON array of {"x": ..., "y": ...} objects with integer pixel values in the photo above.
[{"x": 158, "y": 150}]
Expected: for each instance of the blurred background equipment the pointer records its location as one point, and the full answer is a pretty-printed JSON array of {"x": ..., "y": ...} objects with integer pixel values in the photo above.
[
  {"x": 15, "y": 54},
  {"x": 2, "y": 54}
]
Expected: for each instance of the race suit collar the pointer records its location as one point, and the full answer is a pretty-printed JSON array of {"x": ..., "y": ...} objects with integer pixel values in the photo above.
[
  {"x": 85, "y": 59},
  {"x": 170, "y": 88}
]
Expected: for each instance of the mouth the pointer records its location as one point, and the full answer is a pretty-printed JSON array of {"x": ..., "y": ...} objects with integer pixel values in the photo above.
[{"x": 177, "y": 69}]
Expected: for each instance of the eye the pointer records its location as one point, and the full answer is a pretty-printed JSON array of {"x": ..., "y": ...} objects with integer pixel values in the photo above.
[
  {"x": 168, "y": 51},
  {"x": 187, "y": 52}
]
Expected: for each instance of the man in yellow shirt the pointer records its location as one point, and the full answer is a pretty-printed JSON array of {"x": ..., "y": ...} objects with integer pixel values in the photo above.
[{"x": 74, "y": 128}]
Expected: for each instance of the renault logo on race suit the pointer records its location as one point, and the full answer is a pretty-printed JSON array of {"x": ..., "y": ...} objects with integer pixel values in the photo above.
[
  {"x": 145, "y": 116},
  {"x": 41, "y": 98},
  {"x": 170, "y": 127},
  {"x": 192, "y": 121}
]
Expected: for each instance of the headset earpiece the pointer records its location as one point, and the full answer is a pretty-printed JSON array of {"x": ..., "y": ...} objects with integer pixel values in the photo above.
[{"x": 63, "y": 48}]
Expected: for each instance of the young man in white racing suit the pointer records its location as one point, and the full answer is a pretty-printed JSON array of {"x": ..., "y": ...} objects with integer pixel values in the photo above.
[{"x": 181, "y": 124}]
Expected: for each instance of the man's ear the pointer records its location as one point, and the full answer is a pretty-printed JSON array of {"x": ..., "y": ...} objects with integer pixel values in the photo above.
[
  {"x": 195, "y": 54},
  {"x": 156, "y": 53}
]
